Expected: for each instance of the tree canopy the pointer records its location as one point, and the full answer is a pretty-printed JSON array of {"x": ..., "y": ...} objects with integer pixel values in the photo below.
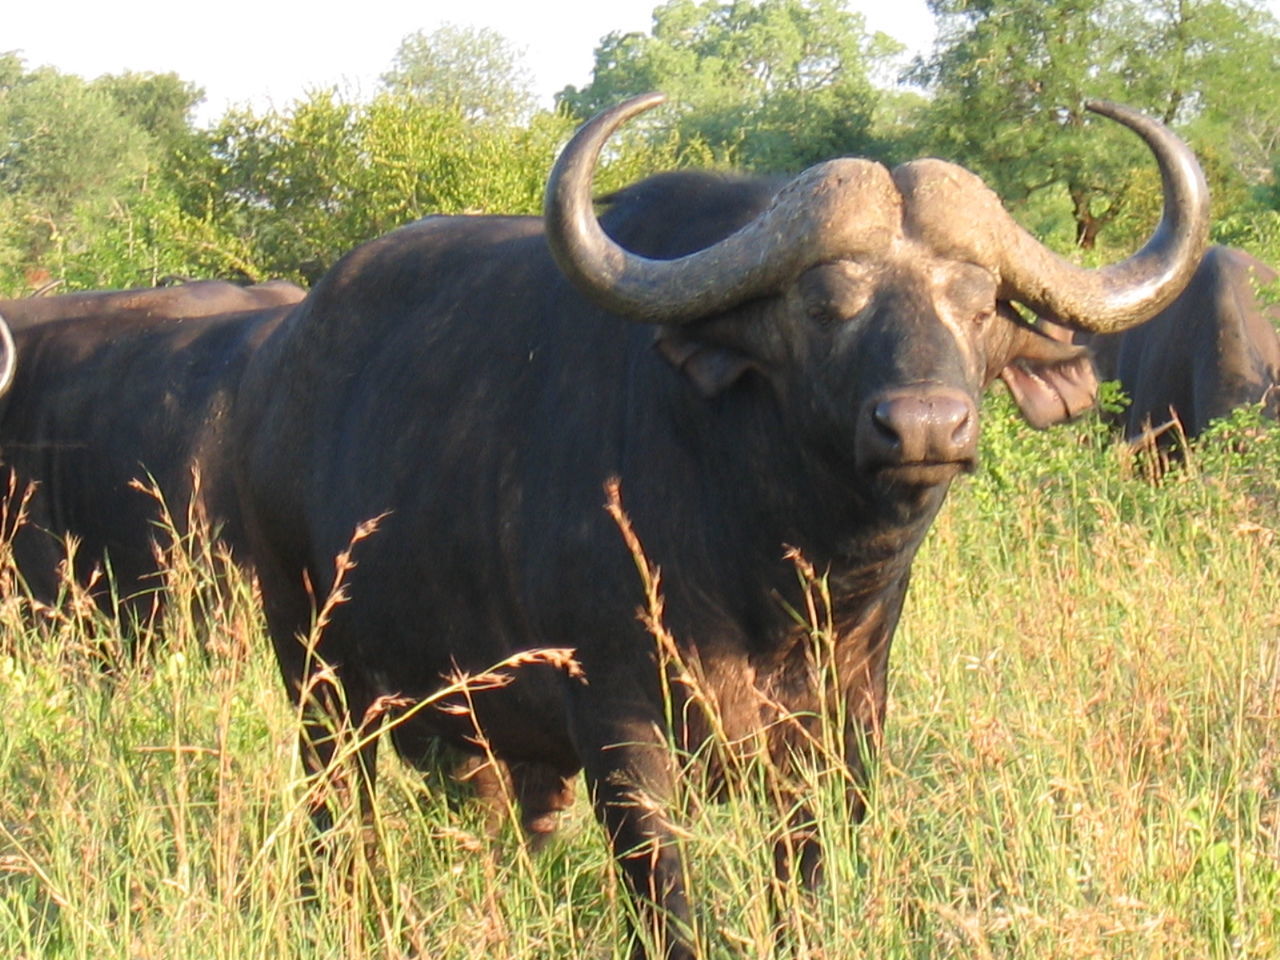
[
  {"x": 1009, "y": 78},
  {"x": 161, "y": 104},
  {"x": 474, "y": 70},
  {"x": 109, "y": 182},
  {"x": 66, "y": 151},
  {"x": 385, "y": 162},
  {"x": 772, "y": 84}
]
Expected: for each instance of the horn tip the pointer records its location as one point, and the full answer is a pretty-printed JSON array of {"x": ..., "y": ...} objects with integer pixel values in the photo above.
[
  {"x": 1109, "y": 108},
  {"x": 639, "y": 103}
]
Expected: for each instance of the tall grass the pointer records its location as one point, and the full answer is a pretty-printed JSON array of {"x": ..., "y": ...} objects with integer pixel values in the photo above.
[{"x": 1082, "y": 759}]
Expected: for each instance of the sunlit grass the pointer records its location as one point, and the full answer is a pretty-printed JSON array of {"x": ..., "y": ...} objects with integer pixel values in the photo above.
[{"x": 1082, "y": 759}]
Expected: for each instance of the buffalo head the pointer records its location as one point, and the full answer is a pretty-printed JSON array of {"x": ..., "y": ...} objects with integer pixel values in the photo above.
[{"x": 876, "y": 303}]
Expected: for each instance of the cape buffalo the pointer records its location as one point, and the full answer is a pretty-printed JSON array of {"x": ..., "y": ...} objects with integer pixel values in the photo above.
[
  {"x": 118, "y": 386},
  {"x": 759, "y": 370},
  {"x": 1213, "y": 349}
]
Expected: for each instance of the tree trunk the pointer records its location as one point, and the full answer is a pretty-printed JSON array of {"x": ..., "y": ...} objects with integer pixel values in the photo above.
[{"x": 1088, "y": 223}]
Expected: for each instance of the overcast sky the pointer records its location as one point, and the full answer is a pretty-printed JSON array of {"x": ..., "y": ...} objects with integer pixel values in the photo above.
[{"x": 269, "y": 52}]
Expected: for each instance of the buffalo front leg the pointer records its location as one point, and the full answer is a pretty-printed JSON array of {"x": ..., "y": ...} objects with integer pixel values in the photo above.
[
  {"x": 340, "y": 758},
  {"x": 339, "y": 755},
  {"x": 539, "y": 792},
  {"x": 339, "y": 752},
  {"x": 864, "y": 724},
  {"x": 843, "y": 729},
  {"x": 629, "y": 772}
]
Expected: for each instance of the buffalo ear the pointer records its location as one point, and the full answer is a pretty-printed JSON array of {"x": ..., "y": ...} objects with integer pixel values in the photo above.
[
  {"x": 712, "y": 368},
  {"x": 1052, "y": 381}
]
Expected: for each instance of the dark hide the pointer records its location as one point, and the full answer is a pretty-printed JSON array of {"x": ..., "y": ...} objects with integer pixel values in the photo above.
[
  {"x": 115, "y": 387},
  {"x": 448, "y": 378}
]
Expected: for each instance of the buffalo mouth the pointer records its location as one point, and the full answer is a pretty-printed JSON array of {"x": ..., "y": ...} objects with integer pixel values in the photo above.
[{"x": 927, "y": 473}]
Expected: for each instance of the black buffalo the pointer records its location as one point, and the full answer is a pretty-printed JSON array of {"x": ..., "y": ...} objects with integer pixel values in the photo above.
[
  {"x": 1210, "y": 351},
  {"x": 114, "y": 387},
  {"x": 759, "y": 369}
]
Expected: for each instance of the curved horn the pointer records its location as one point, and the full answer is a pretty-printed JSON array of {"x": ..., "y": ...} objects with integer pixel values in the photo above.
[
  {"x": 1104, "y": 300},
  {"x": 9, "y": 364},
  {"x": 842, "y": 205}
]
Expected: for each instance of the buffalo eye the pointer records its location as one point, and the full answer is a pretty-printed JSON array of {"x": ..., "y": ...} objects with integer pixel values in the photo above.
[
  {"x": 970, "y": 292},
  {"x": 821, "y": 314},
  {"x": 983, "y": 316},
  {"x": 833, "y": 292}
]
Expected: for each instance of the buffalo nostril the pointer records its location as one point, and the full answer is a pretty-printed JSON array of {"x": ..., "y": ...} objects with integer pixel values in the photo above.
[
  {"x": 952, "y": 426},
  {"x": 882, "y": 417},
  {"x": 965, "y": 423}
]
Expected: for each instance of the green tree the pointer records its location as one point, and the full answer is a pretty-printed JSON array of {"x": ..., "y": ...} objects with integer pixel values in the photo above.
[
  {"x": 66, "y": 155},
  {"x": 285, "y": 193},
  {"x": 1009, "y": 79},
  {"x": 769, "y": 84},
  {"x": 474, "y": 70},
  {"x": 89, "y": 176},
  {"x": 159, "y": 103}
]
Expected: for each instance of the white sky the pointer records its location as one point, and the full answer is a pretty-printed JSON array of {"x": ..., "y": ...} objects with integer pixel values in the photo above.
[{"x": 269, "y": 52}]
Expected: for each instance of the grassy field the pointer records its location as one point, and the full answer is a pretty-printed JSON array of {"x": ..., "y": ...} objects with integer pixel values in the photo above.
[{"x": 1082, "y": 760}]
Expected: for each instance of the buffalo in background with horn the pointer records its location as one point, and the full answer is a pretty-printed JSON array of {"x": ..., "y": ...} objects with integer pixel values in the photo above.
[
  {"x": 114, "y": 387},
  {"x": 1212, "y": 350}
]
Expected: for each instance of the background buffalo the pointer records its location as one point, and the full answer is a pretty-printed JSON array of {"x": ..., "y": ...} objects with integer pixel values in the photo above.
[
  {"x": 1211, "y": 351},
  {"x": 117, "y": 388}
]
